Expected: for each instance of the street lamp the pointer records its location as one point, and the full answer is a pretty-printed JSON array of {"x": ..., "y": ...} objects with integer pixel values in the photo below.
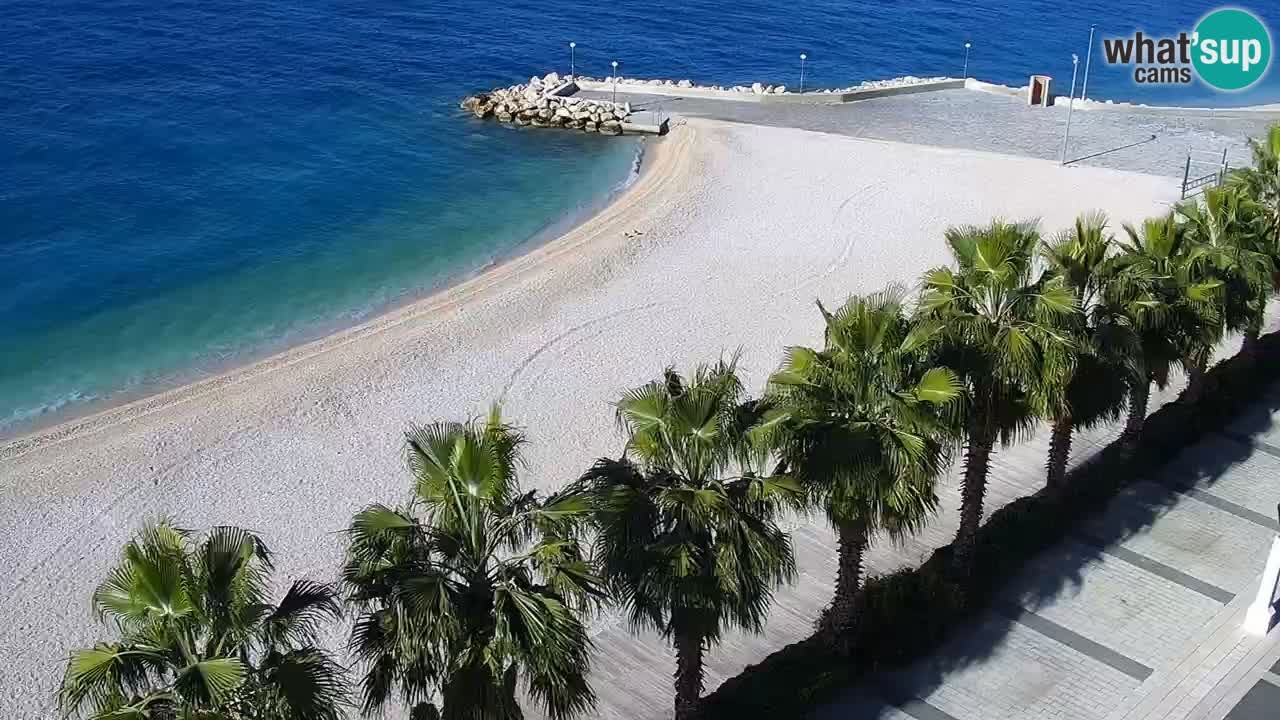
[
  {"x": 1075, "y": 65},
  {"x": 967, "y": 45},
  {"x": 572, "y": 74},
  {"x": 803, "y": 57},
  {"x": 615, "y": 81},
  {"x": 1084, "y": 90}
]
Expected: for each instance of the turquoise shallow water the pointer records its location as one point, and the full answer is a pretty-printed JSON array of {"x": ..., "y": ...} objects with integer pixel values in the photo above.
[
  {"x": 186, "y": 185},
  {"x": 402, "y": 250}
]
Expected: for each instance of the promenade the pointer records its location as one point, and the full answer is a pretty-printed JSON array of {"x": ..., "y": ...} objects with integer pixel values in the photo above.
[{"x": 1137, "y": 617}]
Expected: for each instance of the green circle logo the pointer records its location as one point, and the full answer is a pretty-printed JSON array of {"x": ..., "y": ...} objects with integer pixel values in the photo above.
[{"x": 1231, "y": 49}]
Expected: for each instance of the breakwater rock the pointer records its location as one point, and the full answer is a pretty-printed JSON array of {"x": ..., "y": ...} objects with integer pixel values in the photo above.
[{"x": 547, "y": 102}]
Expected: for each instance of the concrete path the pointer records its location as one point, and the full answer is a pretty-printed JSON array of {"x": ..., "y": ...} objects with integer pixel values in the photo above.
[
  {"x": 1137, "y": 617},
  {"x": 1118, "y": 138}
]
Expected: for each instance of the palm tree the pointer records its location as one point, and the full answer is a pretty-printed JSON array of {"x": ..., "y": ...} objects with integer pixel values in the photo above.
[
  {"x": 1104, "y": 337},
  {"x": 864, "y": 427},
  {"x": 1161, "y": 261},
  {"x": 1005, "y": 333},
  {"x": 1228, "y": 229},
  {"x": 1262, "y": 182},
  {"x": 473, "y": 587},
  {"x": 198, "y": 638},
  {"x": 686, "y": 519}
]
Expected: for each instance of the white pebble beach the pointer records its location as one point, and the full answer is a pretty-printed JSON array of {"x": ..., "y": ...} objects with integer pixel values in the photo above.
[{"x": 723, "y": 243}]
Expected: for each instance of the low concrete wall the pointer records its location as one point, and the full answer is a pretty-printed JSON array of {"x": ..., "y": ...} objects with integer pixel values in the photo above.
[
  {"x": 667, "y": 91},
  {"x": 564, "y": 89},
  {"x": 630, "y": 128},
  {"x": 870, "y": 93},
  {"x": 813, "y": 98}
]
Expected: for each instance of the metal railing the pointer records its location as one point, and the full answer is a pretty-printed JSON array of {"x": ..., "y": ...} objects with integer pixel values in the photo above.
[{"x": 1192, "y": 186}]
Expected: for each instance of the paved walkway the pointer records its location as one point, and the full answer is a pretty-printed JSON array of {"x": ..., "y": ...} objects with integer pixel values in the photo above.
[
  {"x": 1137, "y": 617},
  {"x": 1145, "y": 140}
]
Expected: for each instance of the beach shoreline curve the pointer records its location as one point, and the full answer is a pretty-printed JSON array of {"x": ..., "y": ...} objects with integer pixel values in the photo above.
[{"x": 663, "y": 163}]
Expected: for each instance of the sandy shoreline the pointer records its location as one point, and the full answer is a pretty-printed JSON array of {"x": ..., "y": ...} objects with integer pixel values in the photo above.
[
  {"x": 661, "y": 164},
  {"x": 724, "y": 242}
]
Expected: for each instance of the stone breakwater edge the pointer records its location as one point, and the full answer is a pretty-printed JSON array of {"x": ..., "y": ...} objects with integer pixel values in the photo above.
[{"x": 548, "y": 101}]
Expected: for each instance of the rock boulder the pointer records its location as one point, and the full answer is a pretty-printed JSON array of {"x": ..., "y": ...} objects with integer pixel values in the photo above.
[{"x": 528, "y": 104}]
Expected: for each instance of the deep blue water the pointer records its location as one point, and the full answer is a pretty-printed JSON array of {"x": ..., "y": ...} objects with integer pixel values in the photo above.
[{"x": 186, "y": 184}]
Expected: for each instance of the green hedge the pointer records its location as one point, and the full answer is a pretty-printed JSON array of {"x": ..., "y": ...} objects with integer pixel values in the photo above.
[{"x": 911, "y": 613}]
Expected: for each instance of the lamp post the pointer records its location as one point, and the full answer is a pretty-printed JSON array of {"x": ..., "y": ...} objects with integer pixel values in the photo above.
[
  {"x": 1257, "y": 619},
  {"x": 572, "y": 74},
  {"x": 803, "y": 57},
  {"x": 1084, "y": 90},
  {"x": 1075, "y": 65},
  {"x": 615, "y": 81},
  {"x": 967, "y": 45}
]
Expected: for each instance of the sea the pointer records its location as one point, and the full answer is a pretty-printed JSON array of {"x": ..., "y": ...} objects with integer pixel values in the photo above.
[{"x": 188, "y": 185}]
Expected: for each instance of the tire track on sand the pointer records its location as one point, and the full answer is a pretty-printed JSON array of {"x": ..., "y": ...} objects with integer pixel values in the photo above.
[{"x": 560, "y": 338}]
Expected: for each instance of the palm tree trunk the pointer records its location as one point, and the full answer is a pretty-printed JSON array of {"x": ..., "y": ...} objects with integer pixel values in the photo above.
[
  {"x": 1139, "y": 395},
  {"x": 841, "y": 618},
  {"x": 688, "y": 674},
  {"x": 1251, "y": 334},
  {"x": 977, "y": 457},
  {"x": 1195, "y": 378},
  {"x": 1059, "y": 453}
]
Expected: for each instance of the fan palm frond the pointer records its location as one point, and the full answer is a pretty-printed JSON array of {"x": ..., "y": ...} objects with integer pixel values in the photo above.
[
  {"x": 685, "y": 521},
  {"x": 474, "y": 589},
  {"x": 198, "y": 638}
]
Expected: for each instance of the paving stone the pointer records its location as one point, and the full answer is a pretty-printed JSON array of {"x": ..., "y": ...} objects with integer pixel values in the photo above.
[
  {"x": 1185, "y": 533},
  {"x": 1005, "y": 670},
  {"x": 1134, "y": 612},
  {"x": 1261, "y": 703},
  {"x": 1231, "y": 468},
  {"x": 1262, "y": 421}
]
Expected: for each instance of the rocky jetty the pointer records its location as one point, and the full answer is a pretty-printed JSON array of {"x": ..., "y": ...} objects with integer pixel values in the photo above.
[{"x": 547, "y": 102}]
